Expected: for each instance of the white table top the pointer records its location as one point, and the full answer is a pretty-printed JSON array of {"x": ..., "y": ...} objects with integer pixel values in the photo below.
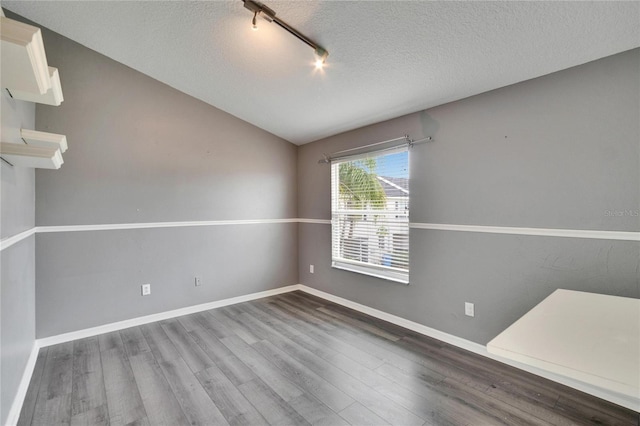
[{"x": 590, "y": 337}]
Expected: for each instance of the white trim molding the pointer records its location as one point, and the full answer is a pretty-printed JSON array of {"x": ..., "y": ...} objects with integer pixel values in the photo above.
[
  {"x": 18, "y": 400},
  {"x": 133, "y": 322},
  {"x": 544, "y": 232},
  {"x": 319, "y": 221},
  {"x": 146, "y": 225},
  {"x": 616, "y": 398},
  {"x": 9, "y": 241}
]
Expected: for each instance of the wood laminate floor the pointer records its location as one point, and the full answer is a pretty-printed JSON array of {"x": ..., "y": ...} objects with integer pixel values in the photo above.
[{"x": 292, "y": 359}]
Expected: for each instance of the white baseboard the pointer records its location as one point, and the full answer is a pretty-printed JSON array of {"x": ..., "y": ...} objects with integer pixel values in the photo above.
[
  {"x": 623, "y": 400},
  {"x": 18, "y": 400},
  {"x": 121, "y": 325}
]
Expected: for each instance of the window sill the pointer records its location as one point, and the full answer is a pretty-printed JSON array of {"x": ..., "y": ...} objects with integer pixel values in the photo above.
[{"x": 366, "y": 270}]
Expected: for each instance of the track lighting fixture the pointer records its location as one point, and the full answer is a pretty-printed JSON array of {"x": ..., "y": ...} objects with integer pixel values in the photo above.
[{"x": 269, "y": 15}]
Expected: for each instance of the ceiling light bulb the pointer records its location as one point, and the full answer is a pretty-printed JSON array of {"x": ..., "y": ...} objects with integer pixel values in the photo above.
[
  {"x": 321, "y": 56},
  {"x": 255, "y": 24}
]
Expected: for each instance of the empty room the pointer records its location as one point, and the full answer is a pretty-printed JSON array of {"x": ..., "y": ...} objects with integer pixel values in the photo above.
[{"x": 320, "y": 213}]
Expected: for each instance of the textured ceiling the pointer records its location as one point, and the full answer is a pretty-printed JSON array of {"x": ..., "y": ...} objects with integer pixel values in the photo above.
[{"x": 386, "y": 58}]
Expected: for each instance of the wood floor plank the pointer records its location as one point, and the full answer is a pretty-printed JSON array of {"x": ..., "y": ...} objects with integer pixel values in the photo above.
[
  {"x": 363, "y": 318},
  {"x": 272, "y": 407},
  {"x": 230, "y": 324},
  {"x": 123, "y": 399},
  {"x": 587, "y": 413},
  {"x": 359, "y": 415},
  {"x": 357, "y": 390},
  {"x": 190, "y": 322},
  {"x": 231, "y": 402},
  {"x": 310, "y": 336},
  {"x": 307, "y": 299},
  {"x": 159, "y": 343},
  {"x": 303, "y": 377},
  {"x": 213, "y": 325},
  {"x": 88, "y": 390},
  {"x": 160, "y": 403},
  {"x": 315, "y": 412},
  {"x": 59, "y": 374},
  {"x": 224, "y": 359},
  {"x": 502, "y": 379},
  {"x": 270, "y": 328},
  {"x": 28, "y": 406},
  {"x": 111, "y": 340},
  {"x": 140, "y": 422},
  {"x": 96, "y": 416},
  {"x": 428, "y": 404},
  {"x": 262, "y": 368},
  {"x": 304, "y": 315},
  {"x": 198, "y": 408},
  {"x": 367, "y": 343},
  {"x": 54, "y": 396},
  {"x": 210, "y": 344},
  {"x": 232, "y": 310},
  {"x": 133, "y": 341},
  {"x": 195, "y": 357},
  {"x": 406, "y": 358},
  {"x": 486, "y": 404},
  {"x": 53, "y": 411}
]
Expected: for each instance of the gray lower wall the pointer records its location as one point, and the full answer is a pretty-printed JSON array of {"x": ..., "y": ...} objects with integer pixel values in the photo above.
[
  {"x": 17, "y": 270},
  {"x": 96, "y": 278},
  {"x": 560, "y": 151},
  {"x": 140, "y": 151}
]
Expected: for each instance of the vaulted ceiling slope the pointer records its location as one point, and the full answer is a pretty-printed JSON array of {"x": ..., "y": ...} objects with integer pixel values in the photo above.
[{"x": 386, "y": 58}]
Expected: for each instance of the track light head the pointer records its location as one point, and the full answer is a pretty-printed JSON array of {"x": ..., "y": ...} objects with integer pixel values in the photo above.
[
  {"x": 321, "y": 56},
  {"x": 260, "y": 9}
]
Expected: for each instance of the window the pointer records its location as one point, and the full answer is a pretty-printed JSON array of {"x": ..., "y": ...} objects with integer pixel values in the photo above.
[{"x": 370, "y": 214}]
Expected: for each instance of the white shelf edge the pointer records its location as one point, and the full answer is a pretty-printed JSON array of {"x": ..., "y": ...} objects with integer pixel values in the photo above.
[
  {"x": 24, "y": 62},
  {"x": 31, "y": 156},
  {"x": 53, "y": 96},
  {"x": 44, "y": 139}
]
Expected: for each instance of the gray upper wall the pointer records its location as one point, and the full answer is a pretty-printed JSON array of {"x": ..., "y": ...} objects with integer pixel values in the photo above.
[
  {"x": 140, "y": 151},
  {"x": 558, "y": 151}
]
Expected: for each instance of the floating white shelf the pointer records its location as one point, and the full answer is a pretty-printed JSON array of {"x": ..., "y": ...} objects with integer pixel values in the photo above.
[
  {"x": 24, "y": 72},
  {"x": 24, "y": 65},
  {"x": 53, "y": 96},
  {"x": 44, "y": 139},
  {"x": 31, "y": 156}
]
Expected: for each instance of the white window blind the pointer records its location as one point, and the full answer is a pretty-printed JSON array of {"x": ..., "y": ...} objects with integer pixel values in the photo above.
[{"x": 370, "y": 214}]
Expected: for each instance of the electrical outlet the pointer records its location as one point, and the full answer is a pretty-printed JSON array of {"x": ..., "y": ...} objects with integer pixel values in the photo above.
[
  {"x": 198, "y": 281},
  {"x": 469, "y": 309},
  {"x": 311, "y": 269},
  {"x": 146, "y": 289}
]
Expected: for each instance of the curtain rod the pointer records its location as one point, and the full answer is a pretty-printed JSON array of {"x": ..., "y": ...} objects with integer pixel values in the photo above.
[{"x": 340, "y": 154}]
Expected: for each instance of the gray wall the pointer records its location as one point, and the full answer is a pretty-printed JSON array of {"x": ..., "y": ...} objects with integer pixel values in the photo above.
[
  {"x": 17, "y": 270},
  {"x": 140, "y": 151},
  {"x": 555, "y": 152}
]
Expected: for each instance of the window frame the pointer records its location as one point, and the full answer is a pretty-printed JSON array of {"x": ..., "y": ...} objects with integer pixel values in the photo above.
[{"x": 390, "y": 273}]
